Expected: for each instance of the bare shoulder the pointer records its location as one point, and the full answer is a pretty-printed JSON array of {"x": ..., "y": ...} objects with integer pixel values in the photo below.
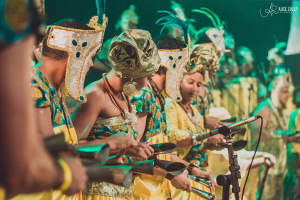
[
  {"x": 263, "y": 108},
  {"x": 95, "y": 92}
]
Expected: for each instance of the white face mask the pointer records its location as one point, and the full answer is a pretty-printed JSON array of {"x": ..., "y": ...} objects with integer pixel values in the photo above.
[
  {"x": 81, "y": 45},
  {"x": 174, "y": 60}
]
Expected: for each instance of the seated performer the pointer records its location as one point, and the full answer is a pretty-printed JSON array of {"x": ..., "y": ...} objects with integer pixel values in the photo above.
[
  {"x": 26, "y": 167},
  {"x": 46, "y": 85},
  {"x": 173, "y": 52},
  {"x": 184, "y": 123},
  {"x": 204, "y": 100},
  {"x": 292, "y": 177},
  {"x": 210, "y": 45},
  {"x": 134, "y": 57},
  {"x": 272, "y": 141},
  {"x": 152, "y": 126}
]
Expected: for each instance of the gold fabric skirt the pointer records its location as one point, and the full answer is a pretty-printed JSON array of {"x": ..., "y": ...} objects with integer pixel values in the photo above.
[{"x": 49, "y": 195}]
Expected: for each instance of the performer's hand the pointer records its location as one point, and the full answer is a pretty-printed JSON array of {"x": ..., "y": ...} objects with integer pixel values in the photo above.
[
  {"x": 212, "y": 123},
  {"x": 296, "y": 139},
  {"x": 120, "y": 141},
  {"x": 290, "y": 138},
  {"x": 142, "y": 151},
  {"x": 215, "y": 142},
  {"x": 79, "y": 177},
  {"x": 213, "y": 182},
  {"x": 270, "y": 160},
  {"x": 182, "y": 182},
  {"x": 117, "y": 159},
  {"x": 198, "y": 172}
]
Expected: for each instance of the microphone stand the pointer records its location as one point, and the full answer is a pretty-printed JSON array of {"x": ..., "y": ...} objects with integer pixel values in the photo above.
[{"x": 234, "y": 168}]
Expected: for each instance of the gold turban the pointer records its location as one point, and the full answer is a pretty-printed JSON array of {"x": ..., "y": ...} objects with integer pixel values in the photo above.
[
  {"x": 202, "y": 60},
  {"x": 133, "y": 54}
]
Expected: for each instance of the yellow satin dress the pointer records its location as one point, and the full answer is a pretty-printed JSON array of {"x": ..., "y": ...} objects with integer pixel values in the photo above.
[
  {"x": 179, "y": 127},
  {"x": 148, "y": 187}
]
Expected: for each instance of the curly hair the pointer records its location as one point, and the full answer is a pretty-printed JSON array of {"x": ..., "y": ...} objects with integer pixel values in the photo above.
[{"x": 169, "y": 42}]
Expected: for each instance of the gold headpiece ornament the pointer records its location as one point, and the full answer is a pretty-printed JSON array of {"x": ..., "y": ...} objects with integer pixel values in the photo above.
[
  {"x": 203, "y": 60},
  {"x": 81, "y": 46}
]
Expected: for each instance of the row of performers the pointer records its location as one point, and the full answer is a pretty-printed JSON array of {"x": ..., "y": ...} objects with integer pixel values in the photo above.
[{"x": 154, "y": 94}]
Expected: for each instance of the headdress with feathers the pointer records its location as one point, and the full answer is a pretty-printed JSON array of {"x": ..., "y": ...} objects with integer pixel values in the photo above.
[
  {"x": 212, "y": 16},
  {"x": 217, "y": 26},
  {"x": 172, "y": 20},
  {"x": 80, "y": 45},
  {"x": 174, "y": 60},
  {"x": 181, "y": 14}
]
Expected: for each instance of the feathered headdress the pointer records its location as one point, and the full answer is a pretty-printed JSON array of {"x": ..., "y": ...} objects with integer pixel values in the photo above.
[
  {"x": 181, "y": 15},
  {"x": 212, "y": 16},
  {"x": 215, "y": 33},
  {"x": 173, "y": 20},
  {"x": 96, "y": 21},
  {"x": 174, "y": 59}
]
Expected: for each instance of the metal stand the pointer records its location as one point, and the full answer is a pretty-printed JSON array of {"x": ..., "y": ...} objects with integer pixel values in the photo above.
[{"x": 234, "y": 168}]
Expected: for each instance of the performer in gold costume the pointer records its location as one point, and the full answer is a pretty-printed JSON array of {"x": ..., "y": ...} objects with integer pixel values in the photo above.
[
  {"x": 152, "y": 128},
  {"x": 183, "y": 123},
  {"x": 213, "y": 40},
  {"x": 272, "y": 140},
  {"x": 292, "y": 177},
  {"x": 134, "y": 57}
]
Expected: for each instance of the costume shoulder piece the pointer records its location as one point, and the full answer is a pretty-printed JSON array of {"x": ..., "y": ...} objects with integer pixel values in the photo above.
[
  {"x": 174, "y": 59},
  {"x": 81, "y": 46}
]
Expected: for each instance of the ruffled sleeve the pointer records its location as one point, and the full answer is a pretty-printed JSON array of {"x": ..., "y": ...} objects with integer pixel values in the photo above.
[
  {"x": 172, "y": 116},
  {"x": 40, "y": 93}
]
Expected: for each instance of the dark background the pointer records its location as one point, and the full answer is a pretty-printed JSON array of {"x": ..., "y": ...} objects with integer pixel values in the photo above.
[{"x": 241, "y": 16}]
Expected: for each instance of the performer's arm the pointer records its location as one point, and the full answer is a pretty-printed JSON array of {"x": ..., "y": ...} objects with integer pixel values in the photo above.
[
  {"x": 175, "y": 135},
  {"x": 196, "y": 171},
  {"x": 255, "y": 126},
  {"x": 87, "y": 113},
  {"x": 180, "y": 182},
  {"x": 25, "y": 164},
  {"x": 44, "y": 121}
]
